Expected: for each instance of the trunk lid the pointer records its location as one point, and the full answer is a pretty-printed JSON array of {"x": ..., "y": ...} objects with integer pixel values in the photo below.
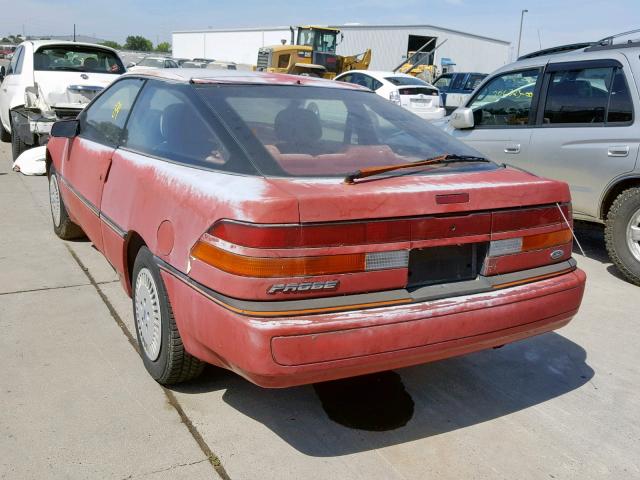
[
  {"x": 419, "y": 98},
  {"x": 70, "y": 90},
  {"x": 331, "y": 200}
]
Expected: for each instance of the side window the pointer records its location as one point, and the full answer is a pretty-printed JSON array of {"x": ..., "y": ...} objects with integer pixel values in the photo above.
[
  {"x": 15, "y": 66},
  {"x": 166, "y": 123},
  {"x": 473, "y": 81},
  {"x": 103, "y": 121},
  {"x": 457, "y": 82},
  {"x": 505, "y": 100},
  {"x": 578, "y": 96},
  {"x": 363, "y": 80},
  {"x": 443, "y": 82},
  {"x": 620, "y": 103},
  {"x": 376, "y": 84},
  {"x": 347, "y": 78}
]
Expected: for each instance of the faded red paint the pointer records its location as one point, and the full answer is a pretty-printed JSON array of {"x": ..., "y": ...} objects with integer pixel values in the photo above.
[{"x": 170, "y": 206}]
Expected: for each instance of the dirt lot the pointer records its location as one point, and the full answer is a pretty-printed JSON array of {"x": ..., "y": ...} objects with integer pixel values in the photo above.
[{"x": 77, "y": 402}]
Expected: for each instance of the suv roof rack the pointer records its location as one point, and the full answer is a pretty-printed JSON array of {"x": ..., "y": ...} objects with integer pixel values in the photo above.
[
  {"x": 607, "y": 42},
  {"x": 559, "y": 49}
]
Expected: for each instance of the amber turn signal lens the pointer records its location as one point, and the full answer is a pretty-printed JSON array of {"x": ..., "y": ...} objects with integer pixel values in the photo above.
[
  {"x": 266, "y": 267},
  {"x": 546, "y": 240}
]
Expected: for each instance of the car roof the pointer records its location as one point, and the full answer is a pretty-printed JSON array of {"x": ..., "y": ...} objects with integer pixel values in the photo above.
[
  {"x": 591, "y": 52},
  {"x": 42, "y": 43},
  {"x": 205, "y": 76}
]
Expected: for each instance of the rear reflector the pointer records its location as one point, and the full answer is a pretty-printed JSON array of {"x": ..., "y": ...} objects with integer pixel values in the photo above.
[
  {"x": 267, "y": 267},
  {"x": 530, "y": 242}
]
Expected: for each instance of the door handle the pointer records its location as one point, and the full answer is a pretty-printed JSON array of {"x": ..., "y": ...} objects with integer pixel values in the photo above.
[
  {"x": 618, "y": 151},
  {"x": 515, "y": 148}
]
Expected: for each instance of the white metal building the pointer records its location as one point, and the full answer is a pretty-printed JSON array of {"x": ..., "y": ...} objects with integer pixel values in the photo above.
[{"x": 389, "y": 43}]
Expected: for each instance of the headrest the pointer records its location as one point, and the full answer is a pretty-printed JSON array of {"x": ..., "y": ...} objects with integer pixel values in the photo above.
[
  {"x": 90, "y": 63},
  {"x": 40, "y": 60},
  {"x": 298, "y": 125}
]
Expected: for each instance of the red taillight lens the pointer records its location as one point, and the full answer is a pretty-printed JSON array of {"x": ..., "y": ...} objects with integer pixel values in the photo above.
[
  {"x": 350, "y": 233},
  {"x": 265, "y": 267},
  {"x": 529, "y": 218}
]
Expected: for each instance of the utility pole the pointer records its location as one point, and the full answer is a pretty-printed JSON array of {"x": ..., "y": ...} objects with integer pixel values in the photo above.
[
  {"x": 520, "y": 34},
  {"x": 74, "y": 32}
]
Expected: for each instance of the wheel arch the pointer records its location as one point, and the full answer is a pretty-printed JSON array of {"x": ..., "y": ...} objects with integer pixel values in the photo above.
[
  {"x": 616, "y": 189},
  {"x": 133, "y": 245}
]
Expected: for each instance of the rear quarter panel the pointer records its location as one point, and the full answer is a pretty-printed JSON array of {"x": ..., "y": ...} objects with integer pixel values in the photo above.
[{"x": 143, "y": 192}]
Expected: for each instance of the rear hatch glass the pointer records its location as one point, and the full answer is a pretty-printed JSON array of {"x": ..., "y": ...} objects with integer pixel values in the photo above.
[{"x": 305, "y": 131}]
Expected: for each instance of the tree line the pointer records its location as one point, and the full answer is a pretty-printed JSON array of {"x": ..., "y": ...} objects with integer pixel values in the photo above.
[
  {"x": 140, "y": 44},
  {"x": 133, "y": 42}
]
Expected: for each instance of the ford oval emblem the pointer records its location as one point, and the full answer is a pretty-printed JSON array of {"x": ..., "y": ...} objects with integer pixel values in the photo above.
[
  {"x": 84, "y": 76},
  {"x": 556, "y": 254}
]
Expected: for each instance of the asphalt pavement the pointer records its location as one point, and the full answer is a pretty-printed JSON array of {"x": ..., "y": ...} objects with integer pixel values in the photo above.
[{"x": 76, "y": 401}]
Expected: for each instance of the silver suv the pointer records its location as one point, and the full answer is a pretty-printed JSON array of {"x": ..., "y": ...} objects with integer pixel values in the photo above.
[{"x": 570, "y": 113}]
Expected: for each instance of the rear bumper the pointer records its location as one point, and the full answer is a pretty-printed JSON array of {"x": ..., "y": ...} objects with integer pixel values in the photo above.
[
  {"x": 282, "y": 352},
  {"x": 429, "y": 114}
]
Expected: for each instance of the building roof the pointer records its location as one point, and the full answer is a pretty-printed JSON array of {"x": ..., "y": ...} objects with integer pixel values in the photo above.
[{"x": 350, "y": 26}]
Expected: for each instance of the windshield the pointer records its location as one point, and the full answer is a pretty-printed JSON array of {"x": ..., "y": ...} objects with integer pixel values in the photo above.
[
  {"x": 318, "y": 131},
  {"x": 152, "y": 62},
  {"x": 443, "y": 82},
  {"x": 406, "y": 81},
  {"x": 321, "y": 41},
  {"x": 77, "y": 59}
]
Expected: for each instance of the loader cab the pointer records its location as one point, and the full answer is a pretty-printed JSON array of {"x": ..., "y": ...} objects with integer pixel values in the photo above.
[{"x": 323, "y": 42}]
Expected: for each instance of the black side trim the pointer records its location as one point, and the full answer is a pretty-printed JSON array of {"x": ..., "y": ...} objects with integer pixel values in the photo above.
[
  {"x": 95, "y": 210},
  {"x": 81, "y": 197},
  {"x": 363, "y": 301}
]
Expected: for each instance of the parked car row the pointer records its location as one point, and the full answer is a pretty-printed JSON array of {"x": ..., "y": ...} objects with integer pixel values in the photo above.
[{"x": 166, "y": 62}]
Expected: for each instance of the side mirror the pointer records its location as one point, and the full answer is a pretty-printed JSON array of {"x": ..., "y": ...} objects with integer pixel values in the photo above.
[
  {"x": 66, "y": 128},
  {"x": 3, "y": 73},
  {"x": 462, "y": 118}
]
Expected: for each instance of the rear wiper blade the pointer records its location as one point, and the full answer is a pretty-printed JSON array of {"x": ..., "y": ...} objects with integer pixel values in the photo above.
[{"x": 440, "y": 159}]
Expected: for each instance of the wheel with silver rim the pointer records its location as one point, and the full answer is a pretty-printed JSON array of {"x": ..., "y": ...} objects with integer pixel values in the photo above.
[
  {"x": 161, "y": 348},
  {"x": 633, "y": 235},
  {"x": 54, "y": 199},
  {"x": 62, "y": 224},
  {"x": 148, "y": 317},
  {"x": 622, "y": 234}
]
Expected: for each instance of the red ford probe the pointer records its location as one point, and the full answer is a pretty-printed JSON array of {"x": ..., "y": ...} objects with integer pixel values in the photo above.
[{"x": 297, "y": 230}]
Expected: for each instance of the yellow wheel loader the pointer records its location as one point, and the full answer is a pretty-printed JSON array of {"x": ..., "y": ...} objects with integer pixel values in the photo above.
[{"x": 313, "y": 54}]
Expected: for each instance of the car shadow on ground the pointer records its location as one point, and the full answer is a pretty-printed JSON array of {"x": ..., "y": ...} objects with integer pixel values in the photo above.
[
  {"x": 591, "y": 238},
  {"x": 408, "y": 404}
]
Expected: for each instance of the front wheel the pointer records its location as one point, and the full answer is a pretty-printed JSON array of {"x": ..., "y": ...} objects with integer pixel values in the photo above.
[
  {"x": 622, "y": 234},
  {"x": 5, "y": 136},
  {"x": 62, "y": 224},
  {"x": 160, "y": 343},
  {"x": 18, "y": 146}
]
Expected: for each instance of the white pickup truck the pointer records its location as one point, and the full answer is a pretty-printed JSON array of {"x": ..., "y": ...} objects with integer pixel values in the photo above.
[{"x": 47, "y": 81}]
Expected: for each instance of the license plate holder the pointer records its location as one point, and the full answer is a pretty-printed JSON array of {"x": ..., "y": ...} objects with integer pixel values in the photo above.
[{"x": 446, "y": 264}]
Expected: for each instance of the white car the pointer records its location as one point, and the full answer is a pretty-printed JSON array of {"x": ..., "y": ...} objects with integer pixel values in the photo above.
[
  {"x": 409, "y": 92},
  {"x": 152, "y": 62},
  {"x": 48, "y": 81}
]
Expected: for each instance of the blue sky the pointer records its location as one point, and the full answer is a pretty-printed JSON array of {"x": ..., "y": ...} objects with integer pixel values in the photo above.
[{"x": 548, "y": 22}]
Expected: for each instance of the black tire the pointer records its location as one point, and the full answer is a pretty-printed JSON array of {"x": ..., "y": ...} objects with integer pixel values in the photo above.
[
  {"x": 18, "y": 146},
  {"x": 172, "y": 364},
  {"x": 625, "y": 207},
  {"x": 4, "y": 135},
  {"x": 62, "y": 224}
]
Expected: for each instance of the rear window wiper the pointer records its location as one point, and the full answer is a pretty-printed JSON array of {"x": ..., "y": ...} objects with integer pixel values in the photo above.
[{"x": 440, "y": 159}]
